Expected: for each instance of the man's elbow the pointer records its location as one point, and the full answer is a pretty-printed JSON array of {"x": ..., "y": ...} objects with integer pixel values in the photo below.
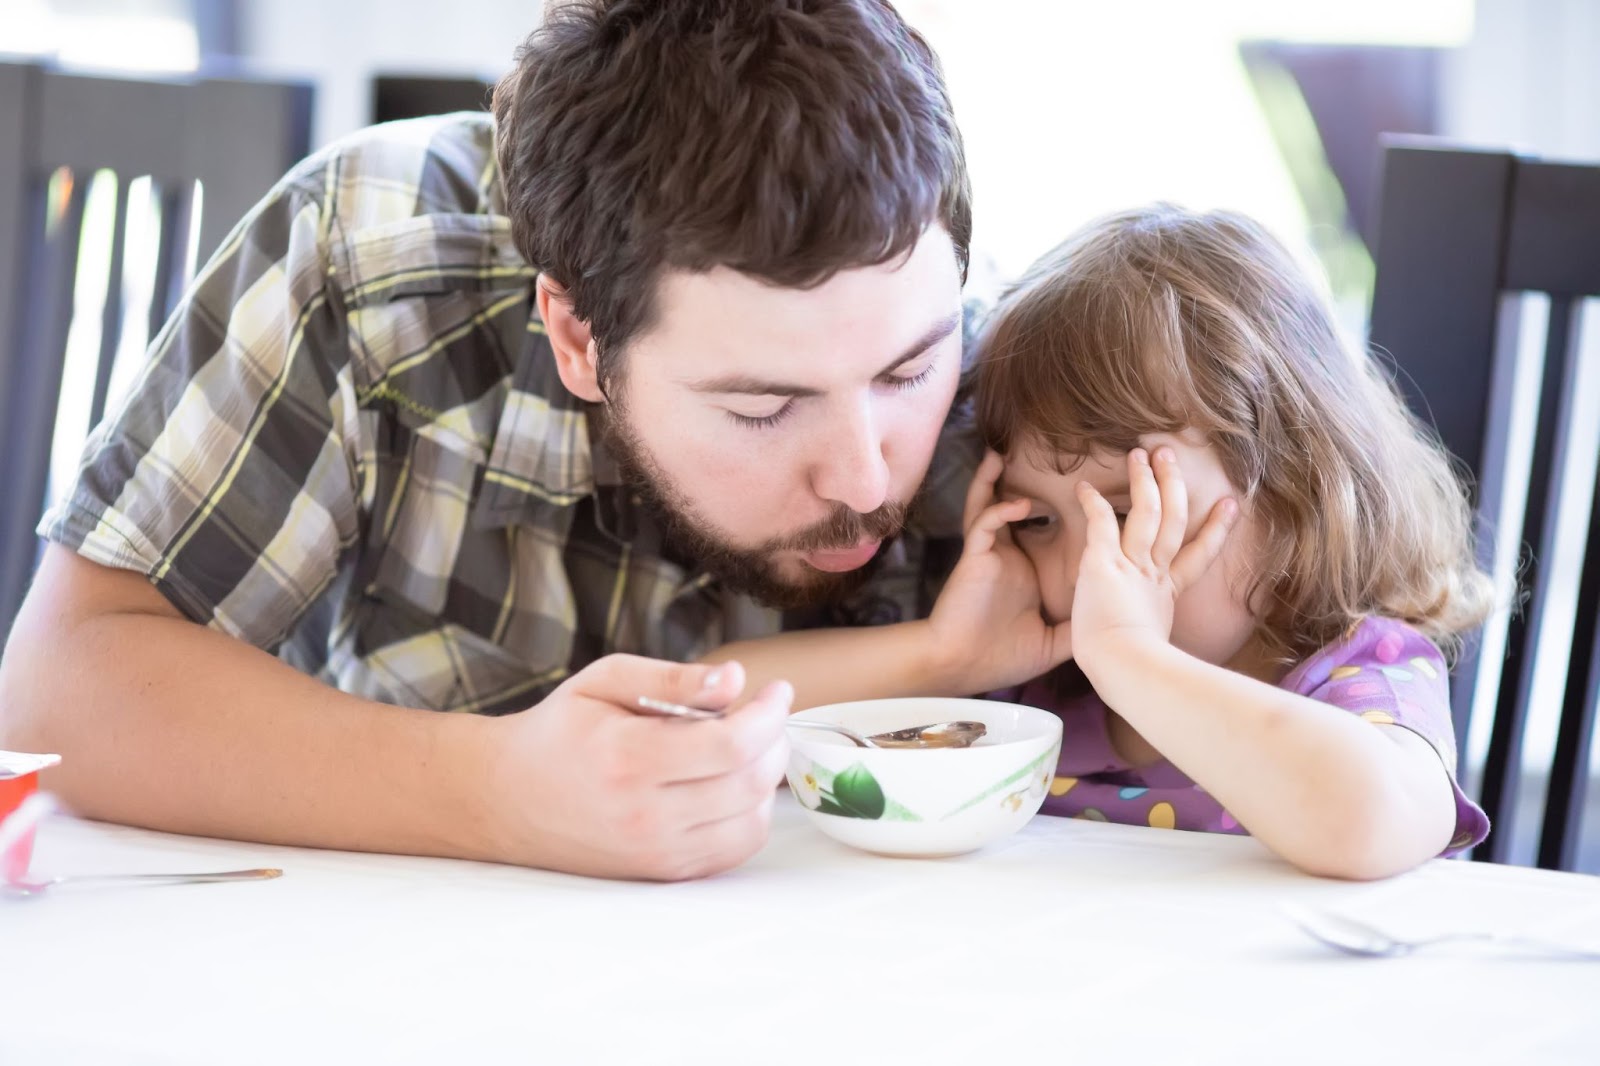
[{"x": 26, "y": 723}]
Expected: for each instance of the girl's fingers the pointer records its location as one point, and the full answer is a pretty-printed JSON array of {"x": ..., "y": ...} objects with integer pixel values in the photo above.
[
  {"x": 1103, "y": 534},
  {"x": 1144, "y": 516},
  {"x": 980, "y": 493},
  {"x": 1198, "y": 555},
  {"x": 1174, "y": 508}
]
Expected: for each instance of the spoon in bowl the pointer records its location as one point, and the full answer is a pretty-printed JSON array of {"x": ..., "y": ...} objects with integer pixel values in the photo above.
[{"x": 961, "y": 734}]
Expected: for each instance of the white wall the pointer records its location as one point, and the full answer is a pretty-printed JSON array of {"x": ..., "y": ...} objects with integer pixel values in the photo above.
[
  {"x": 1529, "y": 78},
  {"x": 341, "y": 44}
]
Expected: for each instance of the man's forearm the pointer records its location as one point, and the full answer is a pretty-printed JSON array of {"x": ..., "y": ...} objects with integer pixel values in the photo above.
[
  {"x": 172, "y": 726},
  {"x": 837, "y": 665}
]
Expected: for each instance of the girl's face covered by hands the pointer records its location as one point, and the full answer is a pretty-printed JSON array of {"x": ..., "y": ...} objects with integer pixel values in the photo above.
[{"x": 1168, "y": 541}]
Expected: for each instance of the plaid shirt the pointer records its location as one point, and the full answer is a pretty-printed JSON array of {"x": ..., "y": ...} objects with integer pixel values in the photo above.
[{"x": 350, "y": 447}]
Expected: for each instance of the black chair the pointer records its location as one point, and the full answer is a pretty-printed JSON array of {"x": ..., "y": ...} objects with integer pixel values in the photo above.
[
  {"x": 233, "y": 135},
  {"x": 398, "y": 96},
  {"x": 1461, "y": 234}
]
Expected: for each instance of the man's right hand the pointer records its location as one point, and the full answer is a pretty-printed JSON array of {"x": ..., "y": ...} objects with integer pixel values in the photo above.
[
  {"x": 580, "y": 783},
  {"x": 987, "y": 628}
]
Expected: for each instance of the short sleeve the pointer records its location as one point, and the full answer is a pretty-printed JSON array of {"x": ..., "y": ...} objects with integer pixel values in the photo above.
[
  {"x": 227, "y": 477},
  {"x": 1387, "y": 673}
]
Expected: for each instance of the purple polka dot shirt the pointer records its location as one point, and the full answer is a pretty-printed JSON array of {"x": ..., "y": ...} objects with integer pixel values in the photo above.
[{"x": 1382, "y": 671}]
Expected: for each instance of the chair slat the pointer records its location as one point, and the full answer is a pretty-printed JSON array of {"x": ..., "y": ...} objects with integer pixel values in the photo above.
[
  {"x": 1552, "y": 434},
  {"x": 1569, "y": 771},
  {"x": 176, "y": 201},
  {"x": 111, "y": 314}
]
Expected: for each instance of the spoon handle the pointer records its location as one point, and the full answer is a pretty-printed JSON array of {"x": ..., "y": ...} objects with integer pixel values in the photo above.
[
  {"x": 1520, "y": 943},
  {"x": 828, "y": 727},
  {"x": 264, "y": 874},
  {"x": 652, "y": 707},
  {"x": 26, "y": 887}
]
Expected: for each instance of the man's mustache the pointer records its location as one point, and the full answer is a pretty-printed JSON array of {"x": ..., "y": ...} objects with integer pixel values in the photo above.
[{"x": 845, "y": 529}]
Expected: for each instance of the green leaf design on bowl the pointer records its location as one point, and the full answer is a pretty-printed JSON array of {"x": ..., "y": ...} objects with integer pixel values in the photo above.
[{"x": 858, "y": 793}]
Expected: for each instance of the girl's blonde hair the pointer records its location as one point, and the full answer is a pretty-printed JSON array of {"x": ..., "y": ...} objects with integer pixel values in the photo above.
[{"x": 1160, "y": 320}]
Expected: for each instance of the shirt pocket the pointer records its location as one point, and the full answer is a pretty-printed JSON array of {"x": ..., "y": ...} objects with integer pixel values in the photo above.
[{"x": 459, "y": 617}]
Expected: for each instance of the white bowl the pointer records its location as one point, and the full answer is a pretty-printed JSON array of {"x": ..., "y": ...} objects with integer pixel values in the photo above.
[{"x": 924, "y": 802}]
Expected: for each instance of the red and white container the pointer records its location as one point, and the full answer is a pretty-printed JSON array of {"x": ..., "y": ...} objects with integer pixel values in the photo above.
[{"x": 19, "y": 779}]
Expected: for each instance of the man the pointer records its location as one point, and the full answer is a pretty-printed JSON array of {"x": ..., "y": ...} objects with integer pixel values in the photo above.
[{"x": 463, "y": 411}]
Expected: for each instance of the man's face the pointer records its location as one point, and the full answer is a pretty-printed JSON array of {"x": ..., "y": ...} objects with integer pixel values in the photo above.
[{"x": 782, "y": 433}]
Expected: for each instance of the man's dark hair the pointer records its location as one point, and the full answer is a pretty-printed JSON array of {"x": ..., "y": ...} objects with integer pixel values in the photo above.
[{"x": 784, "y": 139}]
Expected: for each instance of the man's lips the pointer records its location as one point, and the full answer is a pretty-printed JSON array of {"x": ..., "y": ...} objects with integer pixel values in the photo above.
[{"x": 840, "y": 560}]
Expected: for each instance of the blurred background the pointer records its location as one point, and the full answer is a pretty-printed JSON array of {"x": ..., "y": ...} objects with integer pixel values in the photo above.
[{"x": 1068, "y": 110}]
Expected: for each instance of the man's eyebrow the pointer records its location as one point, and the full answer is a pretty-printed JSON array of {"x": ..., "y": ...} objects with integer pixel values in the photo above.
[
  {"x": 936, "y": 333},
  {"x": 750, "y": 385}
]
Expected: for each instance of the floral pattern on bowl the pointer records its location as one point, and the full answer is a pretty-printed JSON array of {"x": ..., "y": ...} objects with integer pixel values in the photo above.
[{"x": 855, "y": 793}]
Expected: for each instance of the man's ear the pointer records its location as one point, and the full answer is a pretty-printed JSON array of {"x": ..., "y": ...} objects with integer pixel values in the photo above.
[{"x": 570, "y": 340}]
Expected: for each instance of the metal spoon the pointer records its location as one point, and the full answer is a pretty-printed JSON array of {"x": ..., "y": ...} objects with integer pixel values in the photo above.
[
  {"x": 937, "y": 735},
  {"x": 961, "y": 734},
  {"x": 1358, "y": 938},
  {"x": 651, "y": 707},
  {"x": 26, "y": 887},
  {"x": 26, "y": 818}
]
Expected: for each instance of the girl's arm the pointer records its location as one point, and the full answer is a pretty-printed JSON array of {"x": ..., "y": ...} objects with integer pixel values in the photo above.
[
  {"x": 1329, "y": 792},
  {"x": 986, "y": 631}
]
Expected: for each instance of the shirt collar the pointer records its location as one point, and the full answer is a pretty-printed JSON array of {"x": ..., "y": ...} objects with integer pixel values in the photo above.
[
  {"x": 540, "y": 457},
  {"x": 549, "y": 454}
]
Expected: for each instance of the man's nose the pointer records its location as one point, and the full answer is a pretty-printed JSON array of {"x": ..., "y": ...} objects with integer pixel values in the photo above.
[{"x": 851, "y": 468}]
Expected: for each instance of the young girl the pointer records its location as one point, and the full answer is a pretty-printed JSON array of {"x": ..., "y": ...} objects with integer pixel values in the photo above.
[{"x": 1253, "y": 556}]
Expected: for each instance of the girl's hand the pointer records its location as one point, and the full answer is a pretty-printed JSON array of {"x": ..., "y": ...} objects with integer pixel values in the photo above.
[
  {"x": 1130, "y": 578},
  {"x": 988, "y": 626}
]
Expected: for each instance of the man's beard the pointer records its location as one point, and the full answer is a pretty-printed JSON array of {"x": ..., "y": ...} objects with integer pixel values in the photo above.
[{"x": 753, "y": 572}]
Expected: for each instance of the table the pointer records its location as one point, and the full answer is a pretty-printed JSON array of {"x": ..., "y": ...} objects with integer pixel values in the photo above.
[{"x": 1070, "y": 942}]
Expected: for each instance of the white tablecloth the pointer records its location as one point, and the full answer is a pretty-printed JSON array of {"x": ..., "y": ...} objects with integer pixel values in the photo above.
[{"x": 1073, "y": 942}]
